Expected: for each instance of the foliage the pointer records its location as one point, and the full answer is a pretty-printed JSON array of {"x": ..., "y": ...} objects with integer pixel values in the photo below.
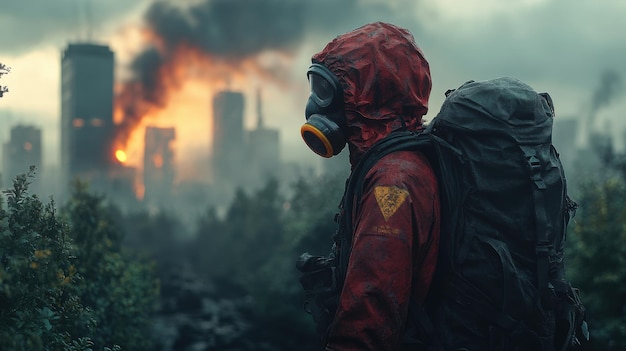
[
  {"x": 312, "y": 210},
  {"x": 253, "y": 249},
  {"x": 3, "y": 70},
  {"x": 237, "y": 246},
  {"x": 157, "y": 236},
  {"x": 597, "y": 260},
  {"x": 39, "y": 304},
  {"x": 120, "y": 288}
]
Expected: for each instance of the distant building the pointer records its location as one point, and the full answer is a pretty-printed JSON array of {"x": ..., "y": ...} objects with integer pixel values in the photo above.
[
  {"x": 21, "y": 151},
  {"x": 158, "y": 166},
  {"x": 86, "y": 111},
  {"x": 564, "y": 139},
  {"x": 228, "y": 138},
  {"x": 263, "y": 155},
  {"x": 121, "y": 185}
]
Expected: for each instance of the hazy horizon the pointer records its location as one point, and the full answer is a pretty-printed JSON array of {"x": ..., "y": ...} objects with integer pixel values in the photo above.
[{"x": 553, "y": 45}]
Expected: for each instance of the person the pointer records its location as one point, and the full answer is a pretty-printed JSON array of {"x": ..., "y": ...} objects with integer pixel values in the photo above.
[{"x": 365, "y": 85}]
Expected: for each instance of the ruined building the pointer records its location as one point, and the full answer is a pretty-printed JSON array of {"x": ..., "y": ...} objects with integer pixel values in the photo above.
[
  {"x": 228, "y": 138},
  {"x": 158, "y": 166},
  {"x": 21, "y": 151},
  {"x": 263, "y": 150}
]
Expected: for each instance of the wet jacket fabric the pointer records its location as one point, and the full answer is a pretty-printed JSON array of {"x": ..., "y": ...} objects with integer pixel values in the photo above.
[
  {"x": 386, "y": 83},
  {"x": 384, "y": 75},
  {"x": 394, "y": 254}
]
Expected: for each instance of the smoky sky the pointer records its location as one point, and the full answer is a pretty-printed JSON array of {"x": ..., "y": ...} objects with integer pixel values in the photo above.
[
  {"x": 146, "y": 66},
  {"x": 230, "y": 28},
  {"x": 572, "y": 43},
  {"x": 235, "y": 29},
  {"x": 26, "y": 24},
  {"x": 232, "y": 31},
  {"x": 609, "y": 88}
]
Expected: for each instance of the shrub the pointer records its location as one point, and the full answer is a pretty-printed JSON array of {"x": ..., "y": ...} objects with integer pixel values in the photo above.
[
  {"x": 119, "y": 286},
  {"x": 597, "y": 261},
  {"x": 39, "y": 303}
]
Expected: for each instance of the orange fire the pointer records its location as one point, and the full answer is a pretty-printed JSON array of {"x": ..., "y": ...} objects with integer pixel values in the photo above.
[
  {"x": 120, "y": 155},
  {"x": 181, "y": 97}
]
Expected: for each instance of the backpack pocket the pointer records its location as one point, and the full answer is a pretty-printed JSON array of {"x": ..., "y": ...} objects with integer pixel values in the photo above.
[{"x": 507, "y": 284}]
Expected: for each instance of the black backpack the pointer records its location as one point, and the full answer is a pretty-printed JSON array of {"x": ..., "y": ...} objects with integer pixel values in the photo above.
[{"x": 500, "y": 282}]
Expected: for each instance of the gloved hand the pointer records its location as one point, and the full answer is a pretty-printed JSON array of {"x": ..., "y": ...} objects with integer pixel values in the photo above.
[{"x": 320, "y": 288}]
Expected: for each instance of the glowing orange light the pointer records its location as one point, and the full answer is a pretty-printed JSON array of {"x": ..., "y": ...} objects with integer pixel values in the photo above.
[
  {"x": 78, "y": 122},
  {"x": 120, "y": 155},
  {"x": 157, "y": 160},
  {"x": 140, "y": 191}
]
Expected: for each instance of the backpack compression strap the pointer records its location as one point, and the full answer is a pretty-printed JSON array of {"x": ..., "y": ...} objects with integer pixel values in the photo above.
[{"x": 543, "y": 227}]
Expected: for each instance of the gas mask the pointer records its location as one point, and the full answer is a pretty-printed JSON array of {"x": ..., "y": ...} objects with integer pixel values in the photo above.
[{"x": 325, "y": 128}]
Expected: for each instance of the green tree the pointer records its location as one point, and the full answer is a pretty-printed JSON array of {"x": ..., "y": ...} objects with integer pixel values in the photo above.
[
  {"x": 159, "y": 236},
  {"x": 312, "y": 209},
  {"x": 254, "y": 246},
  {"x": 119, "y": 286},
  {"x": 39, "y": 305},
  {"x": 237, "y": 245},
  {"x": 597, "y": 260}
]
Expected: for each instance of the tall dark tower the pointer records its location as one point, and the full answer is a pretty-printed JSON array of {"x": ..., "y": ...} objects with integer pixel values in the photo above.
[
  {"x": 228, "y": 143},
  {"x": 21, "y": 151},
  {"x": 86, "y": 110},
  {"x": 263, "y": 154},
  {"x": 158, "y": 165}
]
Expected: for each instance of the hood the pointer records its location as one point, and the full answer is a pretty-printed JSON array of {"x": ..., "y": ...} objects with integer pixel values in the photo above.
[{"x": 385, "y": 77}]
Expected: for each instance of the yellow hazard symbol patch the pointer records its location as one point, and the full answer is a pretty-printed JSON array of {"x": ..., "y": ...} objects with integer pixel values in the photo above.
[{"x": 389, "y": 199}]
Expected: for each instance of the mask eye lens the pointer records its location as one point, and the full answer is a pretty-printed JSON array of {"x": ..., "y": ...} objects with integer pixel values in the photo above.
[{"x": 321, "y": 89}]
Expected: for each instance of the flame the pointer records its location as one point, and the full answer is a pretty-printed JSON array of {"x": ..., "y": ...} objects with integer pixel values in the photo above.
[
  {"x": 120, "y": 155},
  {"x": 181, "y": 97}
]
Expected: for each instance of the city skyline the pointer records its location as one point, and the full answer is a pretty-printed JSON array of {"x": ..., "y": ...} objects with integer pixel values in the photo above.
[
  {"x": 553, "y": 45},
  {"x": 91, "y": 147}
]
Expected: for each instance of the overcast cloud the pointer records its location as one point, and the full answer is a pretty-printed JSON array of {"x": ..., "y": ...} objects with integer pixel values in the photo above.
[{"x": 28, "y": 24}]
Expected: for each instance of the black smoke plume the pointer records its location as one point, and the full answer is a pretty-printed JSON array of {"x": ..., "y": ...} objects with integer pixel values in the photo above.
[
  {"x": 230, "y": 31},
  {"x": 610, "y": 87}
]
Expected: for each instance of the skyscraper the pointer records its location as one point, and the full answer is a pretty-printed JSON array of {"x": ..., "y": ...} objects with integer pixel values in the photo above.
[
  {"x": 228, "y": 142},
  {"x": 21, "y": 151},
  {"x": 86, "y": 110},
  {"x": 263, "y": 156},
  {"x": 158, "y": 165}
]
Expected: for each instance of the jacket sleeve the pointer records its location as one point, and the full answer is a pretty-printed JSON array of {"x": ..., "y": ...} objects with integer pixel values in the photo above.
[{"x": 394, "y": 244}]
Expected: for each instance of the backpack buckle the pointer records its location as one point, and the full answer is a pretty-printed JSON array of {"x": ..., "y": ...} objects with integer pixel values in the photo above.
[{"x": 534, "y": 165}]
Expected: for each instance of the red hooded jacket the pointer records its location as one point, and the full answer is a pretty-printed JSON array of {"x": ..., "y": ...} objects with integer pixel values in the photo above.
[{"x": 386, "y": 82}]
